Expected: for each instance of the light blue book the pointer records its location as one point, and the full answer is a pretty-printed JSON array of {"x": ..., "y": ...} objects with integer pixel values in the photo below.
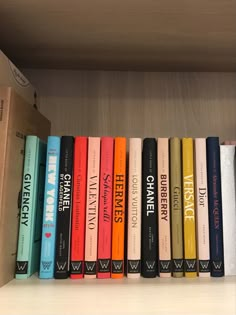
[
  {"x": 50, "y": 209},
  {"x": 29, "y": 240}
]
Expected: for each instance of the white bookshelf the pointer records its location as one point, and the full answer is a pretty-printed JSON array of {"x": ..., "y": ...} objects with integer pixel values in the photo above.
[
  {"x": 65, "y": 48},
  {"x": 125, "y": 296}
]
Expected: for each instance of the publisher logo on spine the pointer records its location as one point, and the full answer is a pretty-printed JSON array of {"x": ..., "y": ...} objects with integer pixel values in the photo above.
[
  {"x": 117, "y": 266},
  {"x": 76, "y": 267},
  {"x": 204, "y": 266},
  {"x": 178, "y": 265},
  {"x": 61, "y": 266},
  {"x": 90, "y": 268},
  {"x": 46, "y": 265},
  {"x": 134, "y": 266},
  {"x": 217, "y": 266},
  {"x": 21, "y": 267},
  {"x": 165, "y": 266},
  {"x": 190, "y": 265},
  {"x": 150, "y": 266},
  {"x": 104, "y": 265}
]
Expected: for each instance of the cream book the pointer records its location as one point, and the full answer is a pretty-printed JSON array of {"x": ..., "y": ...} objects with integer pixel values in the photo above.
[
  {"x": 164, "y": 240},
  {"x": 134, "y": 208},
  {"x": 202, "y": 214},
  {"x": 228, "y": 171},
  {"x": 91, "y": 229}
]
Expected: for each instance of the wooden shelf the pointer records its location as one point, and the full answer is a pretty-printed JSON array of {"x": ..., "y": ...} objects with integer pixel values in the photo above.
[
  {"x": 163, "y": 35},
  {"x": 143, "y": 296}
]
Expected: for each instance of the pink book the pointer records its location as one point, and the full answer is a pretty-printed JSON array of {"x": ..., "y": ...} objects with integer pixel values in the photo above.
[
  {"x": 163, "y": 208},
  {"x": 91, "y": 231},
  {"x": 134, "y": 208},
  {"x": 105, "y": 208},
  {"x": 202, "y": 216}
]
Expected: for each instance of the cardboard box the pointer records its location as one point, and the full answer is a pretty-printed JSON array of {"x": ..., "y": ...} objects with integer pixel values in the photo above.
[{"x": 11, "y": 76}]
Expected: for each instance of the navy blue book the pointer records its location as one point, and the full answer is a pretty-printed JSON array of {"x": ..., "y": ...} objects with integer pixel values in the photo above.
[
  {"x": 215, "y": 207},
  {"x": 149, "y": 209}
]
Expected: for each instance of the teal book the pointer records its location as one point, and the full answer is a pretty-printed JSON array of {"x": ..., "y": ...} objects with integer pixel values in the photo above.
[{"x": 32, "y": 199}]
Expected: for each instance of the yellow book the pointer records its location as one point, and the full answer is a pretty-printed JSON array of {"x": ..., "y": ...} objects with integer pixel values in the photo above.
[{"x": 190, "y": 265}]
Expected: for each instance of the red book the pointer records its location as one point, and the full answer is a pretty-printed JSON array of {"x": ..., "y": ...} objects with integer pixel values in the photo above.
[
  {"x": 79, "y": 207},
  {"x": 105, "y": 208}
]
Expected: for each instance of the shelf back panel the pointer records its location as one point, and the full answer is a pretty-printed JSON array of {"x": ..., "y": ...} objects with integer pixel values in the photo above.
[{"x": 138, "y": 104}]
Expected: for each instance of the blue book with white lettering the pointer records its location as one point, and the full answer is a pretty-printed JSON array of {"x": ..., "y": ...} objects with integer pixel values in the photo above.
[
  {"x": 215, "y": 207},
  {"x": 29, "y": 241},
  {"x": 50, "y": 209}
]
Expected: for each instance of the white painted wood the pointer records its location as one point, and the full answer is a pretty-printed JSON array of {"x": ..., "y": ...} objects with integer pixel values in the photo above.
[{"x": 125, "y": 296}]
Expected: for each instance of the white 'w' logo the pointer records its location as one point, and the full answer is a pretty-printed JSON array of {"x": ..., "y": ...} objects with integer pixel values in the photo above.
[
  {"x": 76, "y": 266},
  {"x": 204, "y": 264},
  {"x": 165, "y": 265},
  {"x": 217, "y": 265},
  {"x": 178, "y": 263},
  {"x": 134, "y": 265},
  {"x": 61, "y": 266},
  {"x": 21, "y": 266},
  {"x": 90, "y": 266},
  {"x": 104, "y": 264},
  {"x": 117, "y": 265},
  {"x": 150, "y": 264},
  {"x": 190, "y": 264}
]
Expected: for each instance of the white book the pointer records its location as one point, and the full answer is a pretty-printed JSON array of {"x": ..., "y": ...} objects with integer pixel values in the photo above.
[
  {"x": 202, "y": 213},
  {"x": 228, "y": 168},
  {"x": 134, "y": 208}
]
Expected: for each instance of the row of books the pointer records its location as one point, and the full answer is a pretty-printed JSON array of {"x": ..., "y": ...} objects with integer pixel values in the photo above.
[{"x": 169, "y": 211}]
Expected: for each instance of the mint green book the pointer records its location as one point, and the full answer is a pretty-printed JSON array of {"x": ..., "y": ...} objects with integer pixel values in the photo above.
[{"x": 30, "y": 227}]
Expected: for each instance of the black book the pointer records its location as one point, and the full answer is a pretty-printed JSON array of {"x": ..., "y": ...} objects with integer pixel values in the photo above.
[
  {"x": 149, "y": 209},
  {"x": 62, "y": 251},
  {"x": 215, "y": 207}
]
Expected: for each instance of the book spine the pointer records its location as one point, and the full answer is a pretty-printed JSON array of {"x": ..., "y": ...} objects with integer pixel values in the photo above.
[
  {"x": 215, "y": 207},
  {"x": 47, "y": 259},
  {"x": 79, "y": 207},
  {"x": 176, "y": 208},
  {"x": 163, "y": 208},
  {"x": 202, "y": 217},
  {"x": 62, "y": 253},
  {"x": 27, "y": 203},
  {"x": 105, "y": 208},
  {"x": 190, "y": 265},
  {"x": 134, "y": 208},
  {"x": 37, "y": 211},
  {"x": 91, "y": 229},
  {"x": 118, "y": 220},
  {"x": 149, "y": 248},
  {"x": 228, "y": 172}
]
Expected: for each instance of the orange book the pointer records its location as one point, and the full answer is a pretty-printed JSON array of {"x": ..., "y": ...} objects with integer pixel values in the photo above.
[{"x": 118, "y": 219}]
